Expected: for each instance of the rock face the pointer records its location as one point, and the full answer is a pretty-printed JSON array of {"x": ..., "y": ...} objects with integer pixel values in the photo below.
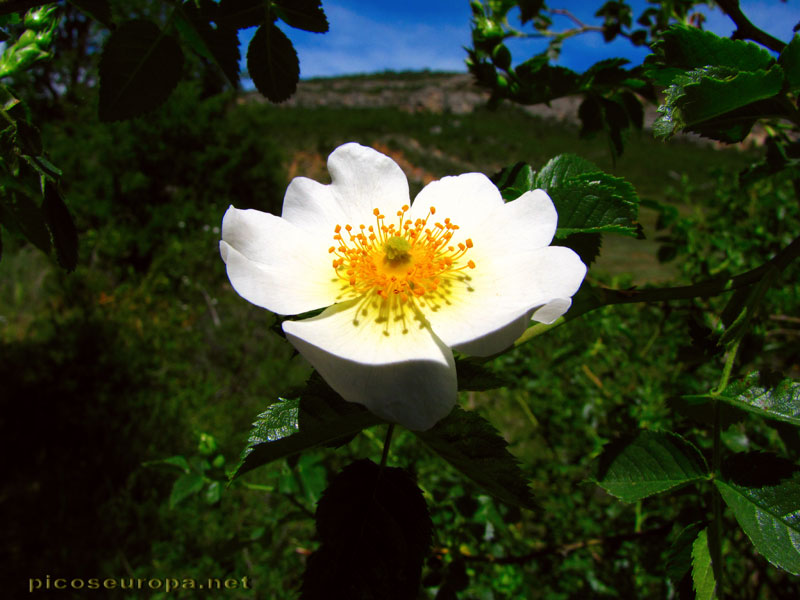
[{"x": 454, "y": 93}]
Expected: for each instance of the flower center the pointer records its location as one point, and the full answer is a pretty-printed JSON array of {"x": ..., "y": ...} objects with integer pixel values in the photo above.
[{"x": 402, "y": 261}]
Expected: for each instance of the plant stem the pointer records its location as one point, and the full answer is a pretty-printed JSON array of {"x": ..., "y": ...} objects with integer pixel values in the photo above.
[
  {"x": 715, "y": 544},
  {"x": 387, "y": 442}
]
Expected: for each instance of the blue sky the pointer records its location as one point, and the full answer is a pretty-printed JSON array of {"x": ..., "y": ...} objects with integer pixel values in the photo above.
[{"x": 367, "y": 35}]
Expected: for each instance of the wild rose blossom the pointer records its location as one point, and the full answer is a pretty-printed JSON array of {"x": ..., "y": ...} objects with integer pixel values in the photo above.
[{"x": 401, "y": 284}]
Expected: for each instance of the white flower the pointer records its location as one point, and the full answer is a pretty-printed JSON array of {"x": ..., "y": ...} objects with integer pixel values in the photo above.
[{"x": 401, "y": 285}]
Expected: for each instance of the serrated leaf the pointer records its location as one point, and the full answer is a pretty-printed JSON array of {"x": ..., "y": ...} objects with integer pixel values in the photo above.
[
  {"x": 585, "y": 245},
  {"x": 763, "y": 491},
  {"x": 139, "y": 68},
  {"x": 703, "y": 581},
  {"x": 59, "y": 221},
  {"x": 240, "y": 14},
  {"x": 588, "y": 200},
  {"x": 789, "y": 60},
  {"x": 515, "y": 180},
  {"x": 375, "y": 532},
  {"x": 778, "y": 400},
  {"x": 303, "y": 14},
  {"x": 99, "y": 10},
  {"x": 282, "y": 431},
  {"x": 709, "y": 93},
  {"x": 219, "y": 45},
  {"x": 186, "y": 485},
  {"x": 689, "y": 48},
  {"x": 678, "y": 558},
  {"x": 470, "y": 443},
  {"x": 648, "y": 464},
  {"x": 272, "y": 63},
  {"x": 475, "y": 377}
]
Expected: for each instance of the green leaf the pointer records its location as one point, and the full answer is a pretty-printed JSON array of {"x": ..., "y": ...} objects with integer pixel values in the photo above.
[
  {"x": 650, "y": 463},
  {"x": 302, "y": 14},
  {"x": 470, "y": 443},
  {"x": 139, "y": 68},
  {"x": 59, "y": 221},
  {"x": 703, "y": 581},
  {"x": 219, "y": 45},
  {"x": 763, "y": 491},
  {"x": 28, "y": 138},
  {"x": 291, "y": 426},
  {"x": 588, "y": 200},
  {"x": 272, "y": 63},
  {"x": 711, "y": 92},
  {"x": 99, "y": 10},
  {"x": 186, "y": 485},
  {"x": 20, "y": 204},
  {"x": 240, "y": 14},
  {"x": 375, "y": 532},
  {"x": 779, "y": 400},
  {"x": 515, "y": 180},
  {"x": 213, "y": 492},
  {"x": 476, "y": 377},
  {"x": 690, "y": 48},
  {"x": 789, "y": 60},
  {"x": 678, "y": 558}
]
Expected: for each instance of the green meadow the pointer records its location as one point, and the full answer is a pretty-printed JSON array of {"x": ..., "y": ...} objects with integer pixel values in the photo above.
[{"x": 129, "y": 385}]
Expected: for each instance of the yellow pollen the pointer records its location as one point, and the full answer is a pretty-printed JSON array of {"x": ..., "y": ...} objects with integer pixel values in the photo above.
[{"x": 403, "y": 260}]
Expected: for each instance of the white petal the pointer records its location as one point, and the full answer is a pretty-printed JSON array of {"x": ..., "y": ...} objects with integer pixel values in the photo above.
[
  {"x": 273, "y": 264},
  {"x": 398, "y": 369},
  {"x": 493, "y": 308},
  {"x": 362, "y": 179},
  {"x": 551, "y": 311},
  {"x": 466, "y": 199}
]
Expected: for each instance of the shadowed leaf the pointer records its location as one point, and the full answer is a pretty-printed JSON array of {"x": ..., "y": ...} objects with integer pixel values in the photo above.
[
  {"x": 139, "y": 68},
  {"x": 470, "y": 443},
  {"x": 272, "y": 63}
]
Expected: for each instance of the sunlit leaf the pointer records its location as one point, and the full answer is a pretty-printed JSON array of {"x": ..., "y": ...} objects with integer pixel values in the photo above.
[
  {"x": 690, "y": 48},
  {"x": 470, "y": 443},
  {"x": 709, "y": 93},
  {"x": 648, "y": 464},
  {"x": 763, "y": 491},
  {"x": 587, "y": 199},
  {"x": 703, "y": 580},
  {"x": 139, "y": 68},
  {"x": 291, "y": 426},
  {"x": 779, "y": 400}
]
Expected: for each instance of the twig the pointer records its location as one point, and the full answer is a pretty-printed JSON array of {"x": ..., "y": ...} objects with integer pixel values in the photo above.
[
  {"x": 565, "y": 549},
  {"x": 745, "y": 30}
]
